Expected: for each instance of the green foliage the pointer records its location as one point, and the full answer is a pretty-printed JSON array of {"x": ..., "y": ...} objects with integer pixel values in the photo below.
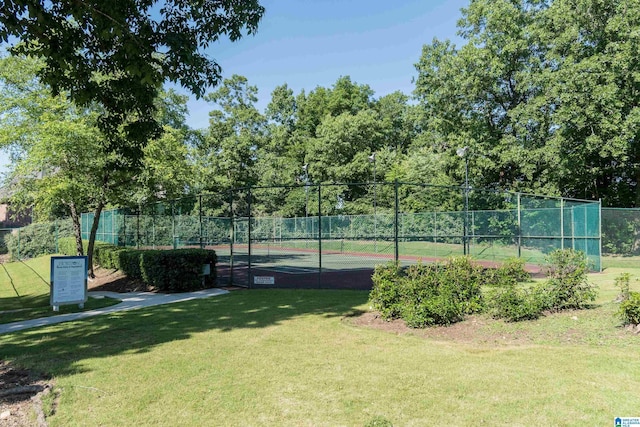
[
  {"x": 514, "y": 303},
  {"x": 509, "y": 273},
  {"x": 386, "y": 294},
  {"x": 425, "y": 295},
  {"x": 37, "y": 239},
  {"x": 177, "y": 270},
  {"x": 629, "y": 310},
  {"x": 378, "y": 421},
  {"x": 122, "y": 54},
  {"x": 622, "y": 283},
  {"x": 67, "y": 246},
  {"x": 543, "y": 90},
  {"x": 567, "y": 285}
]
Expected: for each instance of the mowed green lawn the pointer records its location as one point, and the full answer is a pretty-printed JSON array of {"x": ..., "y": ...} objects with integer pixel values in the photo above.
[
  {"x": 25, "y": 292},
  {"x": 299, "y": 358}
]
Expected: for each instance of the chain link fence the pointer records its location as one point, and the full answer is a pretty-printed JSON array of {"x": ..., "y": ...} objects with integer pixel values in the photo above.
[
  {"x": 332, "y": 235},
  {"x": 35, "y": 239}
]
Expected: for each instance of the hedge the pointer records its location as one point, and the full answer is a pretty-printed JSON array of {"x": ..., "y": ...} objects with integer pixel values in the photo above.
[
  {"x": 177, "y": 270},
  {"x": 37, "y": 239}
]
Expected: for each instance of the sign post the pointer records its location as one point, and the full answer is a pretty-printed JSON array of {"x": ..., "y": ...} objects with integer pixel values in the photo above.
[{"x": 68, "y": 281}]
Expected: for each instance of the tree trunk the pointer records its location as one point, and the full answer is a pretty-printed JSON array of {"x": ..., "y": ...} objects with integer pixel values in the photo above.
[
  {"x": 92, "y": 237},
  {"x": 77, "y": 230}
]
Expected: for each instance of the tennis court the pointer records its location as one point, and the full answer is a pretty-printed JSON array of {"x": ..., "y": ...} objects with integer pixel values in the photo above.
[
  {"x": 329, "y": 244},
  {"x": 272, "y": 266}
]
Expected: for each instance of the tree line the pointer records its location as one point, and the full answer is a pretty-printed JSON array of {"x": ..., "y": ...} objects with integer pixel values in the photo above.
[{"x": 545, "y": 95}]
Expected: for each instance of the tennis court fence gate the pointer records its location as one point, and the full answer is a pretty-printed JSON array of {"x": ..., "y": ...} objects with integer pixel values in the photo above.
[{"x": 333, "y": 235}]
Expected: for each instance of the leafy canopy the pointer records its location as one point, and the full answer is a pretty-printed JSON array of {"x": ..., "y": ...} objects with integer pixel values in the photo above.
[{"x": 118, "y": 54}]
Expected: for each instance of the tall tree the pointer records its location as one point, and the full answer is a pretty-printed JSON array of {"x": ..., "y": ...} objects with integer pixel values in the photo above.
[
  {"x": 119, "y": 54},
  {"x": 227, "y": 154},
  {"x": 545, "y": 93},
  {"x": 60, "y": 159}
]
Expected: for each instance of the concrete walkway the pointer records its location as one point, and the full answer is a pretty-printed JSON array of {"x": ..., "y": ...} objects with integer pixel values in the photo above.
[{"x": 130, "y": 301}]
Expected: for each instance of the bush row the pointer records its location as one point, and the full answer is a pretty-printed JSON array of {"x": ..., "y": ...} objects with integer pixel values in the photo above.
[
  {"x": 177, "y": 270},
  {"x": 37, "y": 239},
  {"x": 442, "y": 294}
]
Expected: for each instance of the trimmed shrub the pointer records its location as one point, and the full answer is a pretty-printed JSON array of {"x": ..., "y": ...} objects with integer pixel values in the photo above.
[
  {"x": 424, "y": 295},
  {"x": 567, "y": 285},
  {"x": 67, "y": 246},
  {"x": 177, "y": 270},
  {"x": 629, "y": 310}
]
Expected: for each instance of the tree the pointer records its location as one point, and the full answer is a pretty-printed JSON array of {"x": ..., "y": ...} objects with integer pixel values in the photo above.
[
  {"x": 118, "y": 54},
  {"x": 227, "y": 153},
  {"x": 592, "y": 81},
  {"x": 470, "y": 95},
  {"x": 545, "y": 94},
  {"x": 59, "y": 156},
  {"x": 61, "y": 159}
]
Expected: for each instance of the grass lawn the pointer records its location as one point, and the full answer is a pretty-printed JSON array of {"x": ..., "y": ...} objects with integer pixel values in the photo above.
[
  {"x": 24, "y": 292},
  {"x": 276, "y": 357}
]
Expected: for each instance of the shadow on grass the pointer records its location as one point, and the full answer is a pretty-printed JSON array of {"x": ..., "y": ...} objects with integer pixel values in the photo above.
[
  {"x": 24, "y": 301},
  {"x": 59, "y": 349}
]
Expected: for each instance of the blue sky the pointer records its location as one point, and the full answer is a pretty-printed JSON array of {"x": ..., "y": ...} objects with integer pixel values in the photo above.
[{"x": 310, "y": 43}]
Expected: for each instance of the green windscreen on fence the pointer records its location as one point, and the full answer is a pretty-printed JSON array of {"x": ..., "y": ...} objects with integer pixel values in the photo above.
[{"x": 293, "y": 233}]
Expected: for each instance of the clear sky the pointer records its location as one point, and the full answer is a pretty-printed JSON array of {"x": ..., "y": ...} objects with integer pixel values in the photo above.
[{"x": 310, "y": 43}]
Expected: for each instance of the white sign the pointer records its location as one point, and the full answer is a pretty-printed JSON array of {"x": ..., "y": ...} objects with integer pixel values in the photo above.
[
  {"x": 264, "y": 280},
  {"x": 68, "y": 280}
]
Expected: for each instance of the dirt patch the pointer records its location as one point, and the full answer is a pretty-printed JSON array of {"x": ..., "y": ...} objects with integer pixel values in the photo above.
[
  {"x": 116, "y": 281},
  {"x": 472, "y": 330},
  {"x": 21, "y": 393}
]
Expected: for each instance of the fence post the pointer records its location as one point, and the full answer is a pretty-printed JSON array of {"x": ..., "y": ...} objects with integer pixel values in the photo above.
[
  {"x": 435, "y": 233},
  {"x": 231, "y": 236},
  {"x": 138, "y": 226},
  {"x": 249, "y": 235},
  {"x": 319, "y": 235},
  {"x": 519, "y": 228},
  {"x": 562, "y": 223},
  {"x": 600, "y": 235},
  {"x": 19, "y": 243},
  {"x": 396, "y": 254},
  {"x": 473, "y": 230},
  {"x": 124, "y": 226},
  {"x": 201, "y": 229},
  {"x": 173, "y": 225},
  {"x": 153, "y": 225}
]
